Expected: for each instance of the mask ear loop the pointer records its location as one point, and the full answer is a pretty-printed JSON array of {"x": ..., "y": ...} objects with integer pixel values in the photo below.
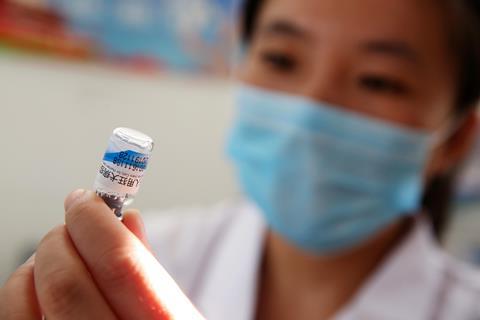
[{"x": 442, "y": 135}]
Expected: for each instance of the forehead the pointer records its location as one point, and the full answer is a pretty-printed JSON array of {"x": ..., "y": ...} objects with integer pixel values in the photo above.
[{"x": 420, "y": 23}]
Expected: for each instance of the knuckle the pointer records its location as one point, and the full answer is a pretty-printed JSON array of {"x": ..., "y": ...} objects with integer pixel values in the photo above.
[
  {"x": 61, "y": 293},
  {"x": 59, "y": 290},
  {"x": 9, "y": 313},
  {"x": 5, "y": 312},
  {"x": 11, "y": 294},
  {"x": 83, "y": 210},
  {"x": 7, "y": 309},
  {"x": 78, "y": 210},
  {"x": 22, "y": 274},
  {"x": 53, "y": 235},
  {"x": 118, "y": 266}
]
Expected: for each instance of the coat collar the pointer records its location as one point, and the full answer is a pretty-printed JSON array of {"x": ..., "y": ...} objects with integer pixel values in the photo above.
[
  {"x": 405, "y": 286},
  {"x": 229, "y": 287}
]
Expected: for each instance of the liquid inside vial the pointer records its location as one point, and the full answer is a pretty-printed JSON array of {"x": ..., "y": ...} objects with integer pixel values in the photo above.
[{"x": 123, "y": 167}]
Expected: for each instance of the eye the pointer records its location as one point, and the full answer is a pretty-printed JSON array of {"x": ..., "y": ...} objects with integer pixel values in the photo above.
[
  {"x": 279, "y": 61},
  {"x": 383, "y": 85}
]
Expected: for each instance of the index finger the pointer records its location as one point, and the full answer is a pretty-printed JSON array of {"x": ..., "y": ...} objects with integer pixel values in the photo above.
[{"x": 130, "y": 278}]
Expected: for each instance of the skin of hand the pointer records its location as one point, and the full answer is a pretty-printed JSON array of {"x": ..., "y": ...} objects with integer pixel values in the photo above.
[{"x": 94, "y": 267}]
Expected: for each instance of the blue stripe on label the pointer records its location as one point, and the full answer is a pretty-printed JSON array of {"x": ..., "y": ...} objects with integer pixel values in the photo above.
[{"x": 127, "y": 158}]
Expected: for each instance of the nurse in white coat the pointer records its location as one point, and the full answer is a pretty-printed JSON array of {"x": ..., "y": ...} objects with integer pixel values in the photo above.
[{"x": 352, "y": 118}]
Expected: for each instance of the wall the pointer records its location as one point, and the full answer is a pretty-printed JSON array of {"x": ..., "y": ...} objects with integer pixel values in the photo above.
[{"x": 56, "y": 118}]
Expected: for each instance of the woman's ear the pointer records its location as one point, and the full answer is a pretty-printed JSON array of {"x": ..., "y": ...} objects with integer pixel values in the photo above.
[{"x": 455, "y": 150}]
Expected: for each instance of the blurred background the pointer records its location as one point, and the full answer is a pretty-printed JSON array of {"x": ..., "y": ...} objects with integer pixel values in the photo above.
[{"x": 73, "y": 70}]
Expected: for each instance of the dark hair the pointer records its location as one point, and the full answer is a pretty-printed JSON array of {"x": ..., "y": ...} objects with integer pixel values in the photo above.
[{"x": 465, "y": 24}]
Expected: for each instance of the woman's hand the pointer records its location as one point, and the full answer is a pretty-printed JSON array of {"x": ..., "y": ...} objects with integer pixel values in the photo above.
[{"x": 93, "y": 267}]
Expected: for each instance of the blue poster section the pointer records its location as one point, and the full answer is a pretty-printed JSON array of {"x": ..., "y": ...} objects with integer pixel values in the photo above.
[{"x": 181, "y": 34}]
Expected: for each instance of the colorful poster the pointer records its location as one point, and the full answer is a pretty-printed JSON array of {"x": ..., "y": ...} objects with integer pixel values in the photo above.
[{"x": 186, "y": 35}]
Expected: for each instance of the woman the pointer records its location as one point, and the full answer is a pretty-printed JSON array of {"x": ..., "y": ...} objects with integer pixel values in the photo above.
[{"x": 350, "y": 113}]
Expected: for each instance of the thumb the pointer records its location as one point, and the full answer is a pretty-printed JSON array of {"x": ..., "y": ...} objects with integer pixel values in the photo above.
[{"x": 133, "y": 221}]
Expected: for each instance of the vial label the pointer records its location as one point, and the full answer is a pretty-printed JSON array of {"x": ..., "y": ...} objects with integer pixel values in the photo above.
[{"x": 122, "y": 170}]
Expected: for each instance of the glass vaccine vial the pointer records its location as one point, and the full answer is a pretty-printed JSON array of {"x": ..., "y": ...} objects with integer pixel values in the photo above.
[{"x": 123, "y": 167}]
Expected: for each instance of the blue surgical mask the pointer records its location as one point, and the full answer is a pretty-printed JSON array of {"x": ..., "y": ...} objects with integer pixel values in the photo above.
[{"x": 325, "y": 179}]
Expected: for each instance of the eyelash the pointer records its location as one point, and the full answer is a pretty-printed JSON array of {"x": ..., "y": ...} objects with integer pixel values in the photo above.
[
  {"x": 383, "y": 84},
  {"x": 279, "y": 61},
  {"x": 375, "y": 83}
]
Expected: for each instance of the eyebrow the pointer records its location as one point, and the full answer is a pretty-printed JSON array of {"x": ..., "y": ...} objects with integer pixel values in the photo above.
[
  {"x": 387, "y": 47},
  {"x": 284, "y": 28},
  {"x": 393, "y": 48}
]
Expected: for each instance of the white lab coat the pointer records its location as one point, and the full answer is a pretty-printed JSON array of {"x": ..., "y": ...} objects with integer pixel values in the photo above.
[{"x": 214, "y": 256}]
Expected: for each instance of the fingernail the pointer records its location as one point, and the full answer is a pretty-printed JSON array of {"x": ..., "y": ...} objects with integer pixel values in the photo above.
[
  {"x": 73, "y": 197},
  {"x": 142, "y": 225},
  {"x": 31, "y": 259}
]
